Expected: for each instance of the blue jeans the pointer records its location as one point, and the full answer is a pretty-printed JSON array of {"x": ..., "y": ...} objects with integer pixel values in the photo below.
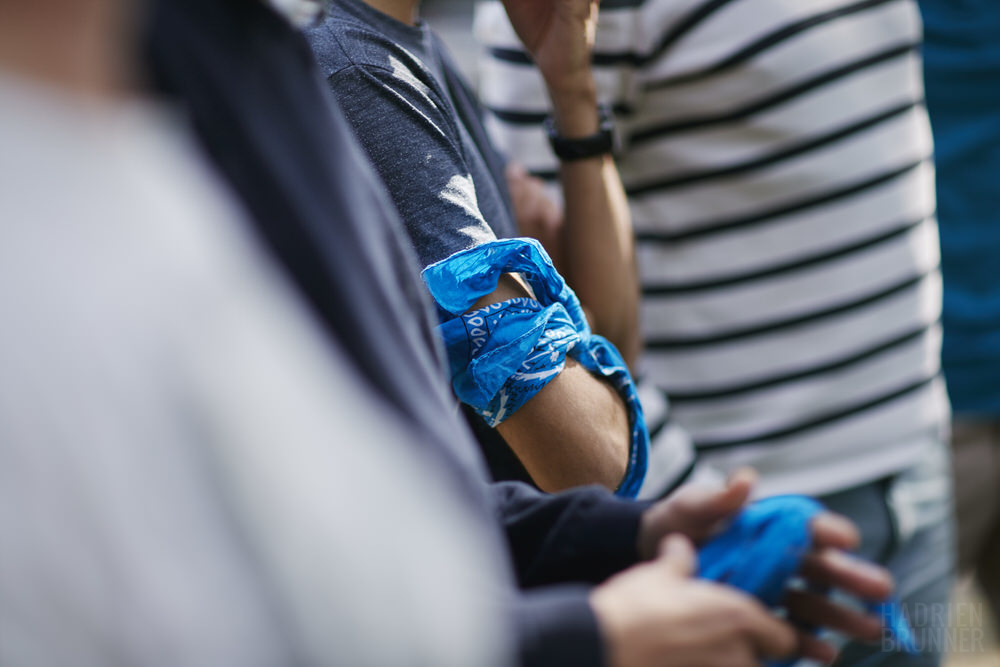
[{"x": 907, "y": 524}]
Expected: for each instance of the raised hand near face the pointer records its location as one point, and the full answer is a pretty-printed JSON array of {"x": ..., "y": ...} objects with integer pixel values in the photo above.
[{"x": 559, "y": 35}]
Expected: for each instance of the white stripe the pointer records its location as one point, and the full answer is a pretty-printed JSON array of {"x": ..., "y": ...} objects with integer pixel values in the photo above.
[
  {"x": 669, "y": 456},
  {"x": 897, "y": 142},
  {"x": 867, "y": 447},
  {"x": 782, "y": 297},
  {"x": 871, "y": 446},
  {"x": 824, "y": 110},
  {"x": 729, "y": 30},
  {"x": 909, "y": 197},
  {"x": 778, "y": 407},
  {"x": 794, "y": 59},
  {"x": 747, "y": 360}
]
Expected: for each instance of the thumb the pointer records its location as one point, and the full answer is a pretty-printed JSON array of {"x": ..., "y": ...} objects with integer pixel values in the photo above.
[
  {"x": 736, "y": 493},
  {"x": 708, "y": 504},
  {"x": 677, "y": 555}
]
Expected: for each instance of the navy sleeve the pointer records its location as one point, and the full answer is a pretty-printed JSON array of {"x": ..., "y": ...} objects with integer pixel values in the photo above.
[
  {"x": 413, "y": 140},
  {"x": 557, "y": 626},
  {"x": 584, "y": 535}
]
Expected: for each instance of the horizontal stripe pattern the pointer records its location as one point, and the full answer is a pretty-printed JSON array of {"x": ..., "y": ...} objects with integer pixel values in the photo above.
[
  {"x": 740, "y": 415},
  {"x": 908, "y": 390},
  {"x": 672, "y": 458},
  {"x": 773, "y": 39},
  {"x": 680, "y": 395},
  {"x": 799, "y": 264},
  {"x": 777, "y": 161}
]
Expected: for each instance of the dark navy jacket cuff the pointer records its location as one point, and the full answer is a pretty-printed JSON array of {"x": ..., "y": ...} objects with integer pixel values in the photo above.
[
  {"x": 581, "y": 536},
  {"x": 608, "y": 535},
  {"x": 556, "y": 627}
]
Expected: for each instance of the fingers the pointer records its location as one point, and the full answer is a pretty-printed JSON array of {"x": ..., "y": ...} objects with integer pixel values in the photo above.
[
  {"x": 737, "y": 491},
  {"x": 813, "y": 648},
  {"x": 678, "y": 555},
  {"x": 817, "y": 611},
  {"x": 833, "y": 530},
  {"x": 772, "y": 637},
  {"x": 834, "y": 568},
  {"x": 706, "y": 504}
]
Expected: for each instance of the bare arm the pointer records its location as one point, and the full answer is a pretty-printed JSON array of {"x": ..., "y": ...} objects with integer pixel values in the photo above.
[
  {"x": 575, "y": 431},
  {"x": 597, "y": 240},
  {"x": 598, "y": 257}
]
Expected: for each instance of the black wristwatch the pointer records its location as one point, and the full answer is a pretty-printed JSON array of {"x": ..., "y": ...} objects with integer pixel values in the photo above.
[{"x": 583, "y": 148}]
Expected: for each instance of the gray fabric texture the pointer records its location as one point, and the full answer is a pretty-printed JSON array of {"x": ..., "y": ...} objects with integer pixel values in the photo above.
[
  {"x": 420, "y": 125},
  {"x": 182, "y": 454}
]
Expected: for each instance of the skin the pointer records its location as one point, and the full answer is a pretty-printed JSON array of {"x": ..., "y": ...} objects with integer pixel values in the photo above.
[
  {"x": 653, "y": 613},
  {"x": 538, "y": 216},
  {"x": 575, "y": 431},
  {"x": 86, "y": 47},
  {"x": 697, "y": 624},
  {"x": 696, "y": 513}
]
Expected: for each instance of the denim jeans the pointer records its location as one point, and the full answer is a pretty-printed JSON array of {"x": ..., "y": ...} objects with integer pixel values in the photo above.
[{"x": 907, "y": 524}]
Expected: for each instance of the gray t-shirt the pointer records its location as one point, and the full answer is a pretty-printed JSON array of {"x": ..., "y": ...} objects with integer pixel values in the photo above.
[
  {"x": 420, "y": 125},
  {"x": 189, "y": 474}
]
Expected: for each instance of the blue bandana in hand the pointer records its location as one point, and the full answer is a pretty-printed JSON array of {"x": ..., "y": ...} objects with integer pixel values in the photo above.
[
  {"x": 762, "y": 551},
  {"x": 502, "y": 355}
]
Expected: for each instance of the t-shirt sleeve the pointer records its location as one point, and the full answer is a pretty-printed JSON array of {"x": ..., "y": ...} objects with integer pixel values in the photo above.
[{"x": 415, "y": 146}]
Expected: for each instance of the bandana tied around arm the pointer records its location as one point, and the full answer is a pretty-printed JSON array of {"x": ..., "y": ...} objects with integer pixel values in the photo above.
[
  {"x": 502, "y": 355},
  {"x": 762, "y": 550}
]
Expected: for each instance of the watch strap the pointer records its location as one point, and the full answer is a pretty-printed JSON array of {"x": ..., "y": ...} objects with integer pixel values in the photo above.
[{"x": 583, "y": 148}]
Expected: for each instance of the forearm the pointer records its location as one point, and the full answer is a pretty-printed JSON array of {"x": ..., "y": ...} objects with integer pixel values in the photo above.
[
  {"x": 557, "y": 626},
  {"x": 597, "y": 237}
]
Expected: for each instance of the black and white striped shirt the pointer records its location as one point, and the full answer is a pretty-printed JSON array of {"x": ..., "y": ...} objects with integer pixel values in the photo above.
[{"x": 778, "y": 161}]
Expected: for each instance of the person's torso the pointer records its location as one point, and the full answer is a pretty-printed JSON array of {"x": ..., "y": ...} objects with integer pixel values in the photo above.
[{"x": 777, "y": 158}]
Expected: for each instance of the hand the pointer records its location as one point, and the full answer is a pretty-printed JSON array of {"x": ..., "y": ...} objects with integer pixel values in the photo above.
[
  {"x": 538, "y": 216},
  {"x": 699, "y": 512},
  {"x": 656, "y": 615},
  {"x": 696, "y": 511},
  {"x": 559, "y": 35}
]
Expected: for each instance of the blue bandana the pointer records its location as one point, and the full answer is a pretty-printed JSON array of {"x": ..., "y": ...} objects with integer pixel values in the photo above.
[
  {"x": 502, "y": 355},
  {"x": 762, "y": 551}
]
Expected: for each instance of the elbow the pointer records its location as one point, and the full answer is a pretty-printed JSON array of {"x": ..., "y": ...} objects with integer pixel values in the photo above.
[
  {"x": 611, "y": 471},
  {"x": 599, "y": 456},
  {"x": 574, "y": 432},
  {"x": 609, "y": 451},
  {"x": 605, "y": 464}
]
